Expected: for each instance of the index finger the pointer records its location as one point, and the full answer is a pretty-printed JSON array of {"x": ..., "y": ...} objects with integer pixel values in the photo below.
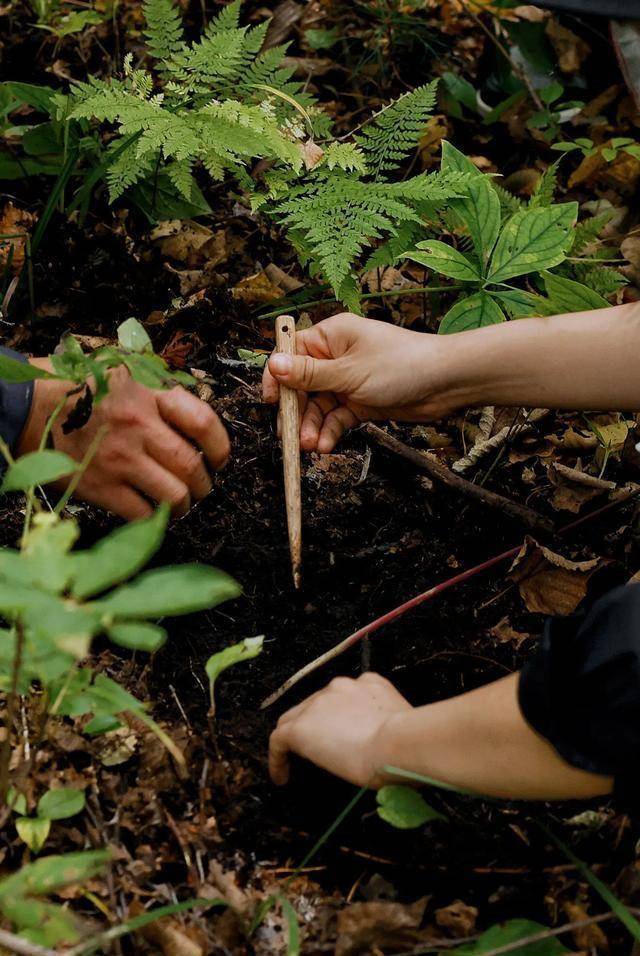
[
  {"x": 279, "y": 749},
  {"x": 196, "y": 421}
]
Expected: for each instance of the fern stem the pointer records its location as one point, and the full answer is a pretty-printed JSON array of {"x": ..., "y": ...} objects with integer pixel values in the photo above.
[{"x": 420, "y": 290}]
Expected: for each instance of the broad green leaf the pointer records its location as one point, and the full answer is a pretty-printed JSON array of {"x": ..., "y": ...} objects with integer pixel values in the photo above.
[
  {"x": 520, "y": 304},
  {"x": 567, "y": 295},
  {"x": 504, "y": 934},
  {"x": 40, "y": 97},
  {"x": 60, "y": 804},
  {"x": 245, "y": 650},
  {"x": 40, "y": 922},
  {"x": 404, "y": 808},
  {"x": 53, "y": 873},
  {"x": 133, "y": 336},
  {"x": 12, "y": 370},
  {"x": 17, "y": 802},
  {"x": 38, "y": 468},
  {"x": 445, "y": 259},
  {"x": 138, "y": 636},
  {"x": 101, "y": 725},
  {"x": 118, "y": 556},
  {"x": 33, "y": 831},
  {"x": 471, "y": 312},
  {"x": 170, "y": 591},
  {"x": 533, "y": 240},
  {"x": 479, "y": 211}
]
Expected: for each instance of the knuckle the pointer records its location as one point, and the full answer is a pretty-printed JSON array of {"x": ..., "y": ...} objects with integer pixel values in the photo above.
[
  {"x": 203, "y": 419},
  {"x": 307, "y": 372},
  {"x": 177, "y": 498}
]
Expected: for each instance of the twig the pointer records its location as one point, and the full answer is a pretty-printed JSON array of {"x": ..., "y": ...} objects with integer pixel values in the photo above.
[
  {"x": 483, "y": 447},
  {"x": 582, "y": 478},
  {"x": 441, "y": 473},
  {"x": 422, "y": 598},
  {"x": 290, "y": 425},
  {"x": 16, "y": 944},
  {"x": 523, "y": 941}
]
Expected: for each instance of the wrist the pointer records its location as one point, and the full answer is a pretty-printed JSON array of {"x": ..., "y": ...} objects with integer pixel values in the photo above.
[
  {"x": 47, "y": 394},
  {"x": 387, "y": 748}
]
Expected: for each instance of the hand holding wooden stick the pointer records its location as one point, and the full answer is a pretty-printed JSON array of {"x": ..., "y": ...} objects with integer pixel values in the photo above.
[{"x": 290, "y": 438}]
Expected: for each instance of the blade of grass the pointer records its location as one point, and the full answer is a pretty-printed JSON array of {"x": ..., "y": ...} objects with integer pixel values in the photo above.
[{"x": 606, "y": 893}]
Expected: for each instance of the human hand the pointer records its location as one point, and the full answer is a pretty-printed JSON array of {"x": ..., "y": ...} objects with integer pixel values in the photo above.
[
  {"x": 149, "y": 450},
  {"x": 356, "y": 370},
  {"x": 339, "y": 729}
]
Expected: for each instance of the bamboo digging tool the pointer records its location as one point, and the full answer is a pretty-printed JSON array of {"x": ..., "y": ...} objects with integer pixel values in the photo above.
[{"x": 290, "y": 438}]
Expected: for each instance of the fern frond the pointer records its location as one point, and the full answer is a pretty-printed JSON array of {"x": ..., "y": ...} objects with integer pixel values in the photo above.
[
  {"x": 388, "y": 253},
  {"x": 546, "y": 187},
  {"x": 395, "y": 132},
  {"x": 431, "y": 187},
  {"x": 179, "y": 172},
  {"x": 126, "y": 170},
  {"x": 602, "y": 279},
  {"x": 164, "y": 30},
  {"x": 338, "y": 218},
  {"x": 589, "y": 230},
  {"x": 509, "y": 204},
  {"x": 243, "y": 130},
  {"x": 346, "y": 156}
]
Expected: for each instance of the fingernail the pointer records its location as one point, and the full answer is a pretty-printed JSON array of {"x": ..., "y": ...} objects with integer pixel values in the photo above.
[{"x": 281, "y": 364}]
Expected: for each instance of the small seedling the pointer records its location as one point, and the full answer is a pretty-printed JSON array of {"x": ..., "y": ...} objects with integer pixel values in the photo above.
[
  {"x": 53, "y": 805},
  {"x": 404, "y": 808},
  {"x": 245, "y": 650}
]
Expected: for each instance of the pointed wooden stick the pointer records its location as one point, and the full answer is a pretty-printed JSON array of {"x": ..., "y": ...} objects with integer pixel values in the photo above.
[{"x": 290, "y": 435}]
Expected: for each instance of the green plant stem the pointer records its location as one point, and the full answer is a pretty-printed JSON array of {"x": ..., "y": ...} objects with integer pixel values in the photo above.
[
  {"x": 101, "y": 941},
  {"x": 12, "y": 702},
  {"x": 77, "y": 478},
  {"x": 420, "y": 290}
]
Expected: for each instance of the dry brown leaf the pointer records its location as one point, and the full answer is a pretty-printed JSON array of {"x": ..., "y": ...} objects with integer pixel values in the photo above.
[
  {"x": 571, "y": 49},
  {"x": 363, "y": 926},
  {"x": 506, "y": 634},
  {"x": 312, "y": 154},
  {"x": 573, "y": 440},
  {"x": 279, "y": 277},
  {"x": 168, "y": 935},
  {"x": 458, "y": 918},
  {"x": 190, "y": 242},
  {"x": 588, "y": 169},
  {"x": 15, "y": 223},
  {"x": 429, "y": 144},
  {"x": 550, "y": 583},
  {"x": 257, "y": 289},
  {"x": 630, "y": 249},
  {"x": 587, "y": 938}
]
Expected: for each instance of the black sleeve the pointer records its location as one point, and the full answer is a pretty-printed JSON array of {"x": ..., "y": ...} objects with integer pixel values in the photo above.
[
  {"x": 15, "y": 405},
  {"x": 581, "y": 688}
]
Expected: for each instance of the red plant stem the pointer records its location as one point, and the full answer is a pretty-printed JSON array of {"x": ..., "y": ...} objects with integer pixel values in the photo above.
[{"x": 421, "y": 599}]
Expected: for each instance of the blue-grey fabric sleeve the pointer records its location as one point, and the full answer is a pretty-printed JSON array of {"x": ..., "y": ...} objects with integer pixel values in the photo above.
[{"x": 15, "y": 404}]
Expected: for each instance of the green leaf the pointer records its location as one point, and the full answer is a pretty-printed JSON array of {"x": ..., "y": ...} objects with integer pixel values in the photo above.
[
  {"x": 14, "y": 371},
  {"x": 520, "y": 304},
  {"x": 38, "y": 468},
  {"x": 17, "y": 802},
  {"x": 471, "y": 312},
  {"x": 60, "y": 804},
  {"x": 479, "y": 211},
  {"x": 138, "y": 637},
  {"x": 133, "y": 336},
  {"x": 293, "y": 928},
  {"x": 504, "y": 934},
  {"x": 102, "y": 724},
  {"x": 567, "y": 295},
  {"x": 118, "y": 556},
  {"x": 445, "y": 259},
  {"x": 39, "y": 97},
  {"x": 33, "y": 831},
  {"x": 170, "y": 591},
  {"x": 404, "y": 808},
  {"x": 53, "y": 873},
  {"x": 245, "y": 650},
  {"x": 532, "y": 240}
]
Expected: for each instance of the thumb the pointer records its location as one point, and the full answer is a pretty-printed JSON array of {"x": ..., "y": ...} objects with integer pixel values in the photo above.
[{"x": 307, "y": 374}]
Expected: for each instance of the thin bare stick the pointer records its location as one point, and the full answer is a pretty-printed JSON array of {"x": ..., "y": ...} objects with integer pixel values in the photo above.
[
  {"x": 422, "y": 598},
  {"x": 290, "y": 431},
  {"x": 385, "y": 619},
  {"x": 16, "y": 944},
  {"x": 440, "y": 472}
]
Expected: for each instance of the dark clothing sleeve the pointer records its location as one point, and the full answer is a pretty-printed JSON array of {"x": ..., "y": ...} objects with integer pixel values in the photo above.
[
  {"x": 581, "y": 688},
  {"x": 15, "y": 405},
  {"x": 625, "y": 9}
]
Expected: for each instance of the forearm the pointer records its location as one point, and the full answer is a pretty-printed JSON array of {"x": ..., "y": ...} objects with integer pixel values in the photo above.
[
  {"x": 584, "y": 360},
  {"x": 480, "y": 742}
]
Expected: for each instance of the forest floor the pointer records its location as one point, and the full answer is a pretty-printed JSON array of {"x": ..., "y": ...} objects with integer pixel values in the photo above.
[{"x": 376, "y": 532}]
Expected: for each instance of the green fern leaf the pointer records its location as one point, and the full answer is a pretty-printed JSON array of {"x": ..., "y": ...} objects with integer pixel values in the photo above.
[
  {"x": 164, "y": 29},
  {"x": 394, "y": 133},
  {"x": 546, "y": 187}
]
